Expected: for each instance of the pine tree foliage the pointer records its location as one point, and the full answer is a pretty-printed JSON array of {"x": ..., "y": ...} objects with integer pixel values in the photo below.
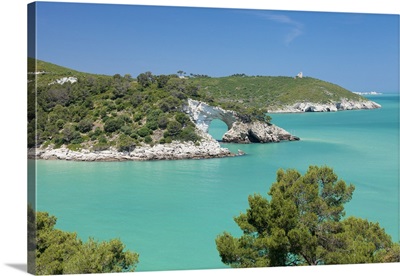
[{"x": 302, "y": 223}]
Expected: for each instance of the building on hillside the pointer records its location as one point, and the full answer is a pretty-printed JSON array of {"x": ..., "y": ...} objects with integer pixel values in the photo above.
[{"x": 299, "y": 75}]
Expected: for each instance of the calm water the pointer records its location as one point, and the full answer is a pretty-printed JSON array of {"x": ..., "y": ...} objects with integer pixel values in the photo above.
[{"x": 170, "y": 212}]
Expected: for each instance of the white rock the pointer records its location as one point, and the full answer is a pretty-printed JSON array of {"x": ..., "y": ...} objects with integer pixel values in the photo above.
[
  {"x": 64, "y": 80},
  {"x": 202, "y": 114},
  {"x": 344, "y": 104}
]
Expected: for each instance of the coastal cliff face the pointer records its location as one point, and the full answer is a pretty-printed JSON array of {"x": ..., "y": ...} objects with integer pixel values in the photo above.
[
  {"x": 203, "y": 114},
  {"x": 238, "y": 131},
  {"x": 257, "y": 132},
  {"x": 344, "y": 104}
]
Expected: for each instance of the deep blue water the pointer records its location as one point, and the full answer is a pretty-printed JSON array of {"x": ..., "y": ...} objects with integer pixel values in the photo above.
[{"x": 170, "y": 212}]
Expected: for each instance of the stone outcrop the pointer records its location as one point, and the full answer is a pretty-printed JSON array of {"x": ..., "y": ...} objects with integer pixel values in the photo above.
[
  {"x": 64, "y": 80},
  {"x": 344, "y": 104},
  {"x": 257, "y": 132},
  {"x": 202, "y": 114},
  {"x": 173, "y": 151}
]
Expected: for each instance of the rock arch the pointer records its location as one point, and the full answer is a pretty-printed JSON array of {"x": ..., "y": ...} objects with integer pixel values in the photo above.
[{"x": 202, "y": 114}]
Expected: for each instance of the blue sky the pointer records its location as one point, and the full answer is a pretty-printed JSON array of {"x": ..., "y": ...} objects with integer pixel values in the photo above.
[{"x": 357, "y": 51}]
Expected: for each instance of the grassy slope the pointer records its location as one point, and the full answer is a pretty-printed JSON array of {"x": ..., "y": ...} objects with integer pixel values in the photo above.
[
  {"x": 52, "y": 71},
  {"x": 265, "y": 92}
]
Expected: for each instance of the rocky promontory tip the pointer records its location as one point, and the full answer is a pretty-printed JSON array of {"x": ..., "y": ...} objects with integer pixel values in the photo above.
[{"x": 257, "y": 132}]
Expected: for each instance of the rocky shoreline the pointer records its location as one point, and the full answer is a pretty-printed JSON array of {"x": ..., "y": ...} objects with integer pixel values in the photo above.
[
  {"x": 239, "y": 132},
  {"x": 202, "y": 115},
  {"x": 344, "y": 104},
  {"x": 255, "y": 132},
  {"x": 173, "y": 151}
]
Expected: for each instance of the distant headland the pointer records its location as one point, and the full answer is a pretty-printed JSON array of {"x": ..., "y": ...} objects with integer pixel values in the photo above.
[{"x": 368, "y": 93}]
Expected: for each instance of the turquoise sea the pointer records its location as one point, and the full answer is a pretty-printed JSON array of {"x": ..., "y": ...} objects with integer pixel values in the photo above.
[{"x": 170, "y": 212}]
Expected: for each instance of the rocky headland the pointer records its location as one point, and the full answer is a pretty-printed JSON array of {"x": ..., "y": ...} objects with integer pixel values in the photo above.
[
  {"x": 344, "y": 104},
  {"x": 201, "y": 114},
  {"x": 107, "y": 118}
]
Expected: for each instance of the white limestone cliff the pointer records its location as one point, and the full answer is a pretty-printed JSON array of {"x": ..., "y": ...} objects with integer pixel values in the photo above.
[
  {"x": 257, "y": 132},
  {"x": 202, "y": 115},
  {"x": 344, "y": 104}
]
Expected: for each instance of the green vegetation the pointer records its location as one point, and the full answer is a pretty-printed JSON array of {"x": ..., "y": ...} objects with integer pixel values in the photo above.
[
  {"x": 97, "y": 111},
  {"x": 264, "y": 92},
  {"x": 53, "y": 251},
  {"x": 303, "y": 224}
]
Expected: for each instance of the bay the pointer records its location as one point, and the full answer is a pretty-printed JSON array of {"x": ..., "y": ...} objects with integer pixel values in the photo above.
[{"x": 170, "y": 212}]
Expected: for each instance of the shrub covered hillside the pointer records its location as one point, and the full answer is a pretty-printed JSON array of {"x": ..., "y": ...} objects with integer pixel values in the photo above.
[
  {"x": 96, "y": 111},
  {"x": 266, "y": 91}
]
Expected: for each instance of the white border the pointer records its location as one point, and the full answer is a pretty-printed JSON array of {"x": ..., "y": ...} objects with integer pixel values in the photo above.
[{"x": 13, "y": 126}]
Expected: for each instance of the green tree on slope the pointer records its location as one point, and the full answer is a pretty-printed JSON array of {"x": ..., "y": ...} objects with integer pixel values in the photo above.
[{"x": 302, "y": 224}]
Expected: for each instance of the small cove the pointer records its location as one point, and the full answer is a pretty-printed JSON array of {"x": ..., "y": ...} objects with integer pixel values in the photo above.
[{"x": 170, "y": 212}]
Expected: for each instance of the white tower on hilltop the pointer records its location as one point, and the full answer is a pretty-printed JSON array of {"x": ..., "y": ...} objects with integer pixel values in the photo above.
[{"x": 300, "y": 75}]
